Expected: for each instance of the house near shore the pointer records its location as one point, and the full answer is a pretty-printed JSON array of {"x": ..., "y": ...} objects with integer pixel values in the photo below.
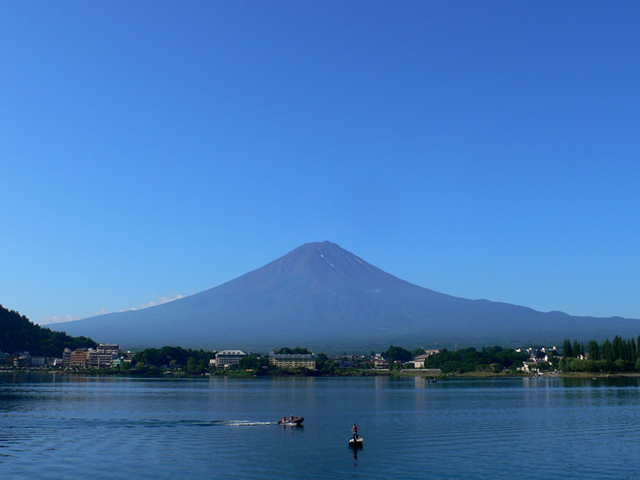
[
  {"x": 539, "y": 358},
  {"x": 418, "y": 361},
  {"x": 379, "y": 363}
]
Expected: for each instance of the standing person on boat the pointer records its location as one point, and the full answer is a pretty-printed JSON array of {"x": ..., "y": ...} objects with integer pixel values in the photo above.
[{"x": 355, "y": 432}]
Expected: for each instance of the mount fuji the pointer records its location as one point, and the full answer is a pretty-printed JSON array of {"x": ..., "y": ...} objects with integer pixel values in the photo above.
[{"x": 323, "y": 297}]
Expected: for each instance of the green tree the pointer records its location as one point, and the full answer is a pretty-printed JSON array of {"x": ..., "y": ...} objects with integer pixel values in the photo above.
[
  {"x": 397, "y": 353},
  {"x": 567, "y": 351},
  {"x": 594, "y": 350},
  {"x": 253, "y": 362},
  {"x": 606, "y": 352},
  {"x": 617, "y": 348},
  {"x": 292, "y": 351},
  {"x": 562, "y": 364},
  {"x": 324, "y": 364},
  {"x": 172, "y": 357},
  {"x": 192, "y": 365},
  {"x": 575, "y": 349}
]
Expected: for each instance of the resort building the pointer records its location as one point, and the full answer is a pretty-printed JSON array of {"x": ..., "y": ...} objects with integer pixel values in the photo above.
[
  {"x": 38, "y": 362},
  {"x": 229, "y": 358},
  {"x": 109, "y": 348},
  {"x": 103, "y": 356},
  {"x": 22, "y": 360},
  {"x": 292, "y": 360},
  {"x": 79, "y": 358},
  {"x": 100, "y": 358}
]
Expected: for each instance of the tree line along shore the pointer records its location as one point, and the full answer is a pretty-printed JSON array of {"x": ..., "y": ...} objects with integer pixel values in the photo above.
[{"x": 19, "y": 334}]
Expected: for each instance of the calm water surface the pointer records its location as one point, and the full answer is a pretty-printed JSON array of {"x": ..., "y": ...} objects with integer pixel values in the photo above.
[{"x": 90, "y": 427}]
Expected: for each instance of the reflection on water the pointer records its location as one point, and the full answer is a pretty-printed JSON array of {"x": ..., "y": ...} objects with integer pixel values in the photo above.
[{"x": 56, "y": 426}]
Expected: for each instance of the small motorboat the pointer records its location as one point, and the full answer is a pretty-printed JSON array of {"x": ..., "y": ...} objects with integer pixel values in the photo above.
[
  {"x": 356, "y": 442},
  {"x": 295, "y": 422}
]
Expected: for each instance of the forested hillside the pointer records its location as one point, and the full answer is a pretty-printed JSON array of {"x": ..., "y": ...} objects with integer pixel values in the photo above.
[{"x": 19, "y": 334}]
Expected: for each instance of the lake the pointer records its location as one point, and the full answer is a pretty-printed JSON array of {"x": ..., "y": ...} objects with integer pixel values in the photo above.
[{"x": 55, "y": 426}]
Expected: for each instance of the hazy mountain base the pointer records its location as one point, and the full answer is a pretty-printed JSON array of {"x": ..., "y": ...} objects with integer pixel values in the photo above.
[{"x": 325, "y": 297}]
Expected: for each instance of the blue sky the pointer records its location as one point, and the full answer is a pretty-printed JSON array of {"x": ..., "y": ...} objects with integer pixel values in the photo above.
[{"x": 152, "y": 150}]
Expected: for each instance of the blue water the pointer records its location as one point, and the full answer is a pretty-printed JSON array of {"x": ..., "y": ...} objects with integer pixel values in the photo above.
[{"x": 88, "y": 427}]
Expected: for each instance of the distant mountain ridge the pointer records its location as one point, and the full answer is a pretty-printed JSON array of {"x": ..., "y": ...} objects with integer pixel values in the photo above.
[{"x": 326, "y": 298}]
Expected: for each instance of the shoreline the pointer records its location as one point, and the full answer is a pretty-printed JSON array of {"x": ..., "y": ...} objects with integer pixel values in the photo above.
[{"x": 438, "y": 376}]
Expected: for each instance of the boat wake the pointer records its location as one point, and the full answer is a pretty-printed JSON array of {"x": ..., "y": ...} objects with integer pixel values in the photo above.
[{"x": 224, "y": 423}]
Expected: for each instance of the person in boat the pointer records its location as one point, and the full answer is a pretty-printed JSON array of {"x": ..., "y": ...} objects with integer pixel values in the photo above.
[
  {"x": 284, "y": 420},
  {"x": 291, "y": 418},
  {"x": 355, "y": 432}
]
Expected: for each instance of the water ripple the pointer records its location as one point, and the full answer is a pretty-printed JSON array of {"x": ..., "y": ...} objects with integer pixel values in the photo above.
[{"x": 411, "y": 430}]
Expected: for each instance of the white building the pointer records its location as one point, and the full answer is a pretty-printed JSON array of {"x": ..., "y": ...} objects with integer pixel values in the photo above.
[
  {"x": 229, "y": 358},
  {"x": 418, "y": 362}
]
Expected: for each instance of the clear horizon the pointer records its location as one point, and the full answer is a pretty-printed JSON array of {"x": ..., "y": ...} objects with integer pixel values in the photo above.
[{"x": 155, "y": 150}]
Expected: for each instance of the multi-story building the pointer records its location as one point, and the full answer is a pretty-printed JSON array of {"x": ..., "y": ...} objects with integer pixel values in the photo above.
[
  {"x": 22, "y": 360},
  {"x": 228, "y": 358},
  {"x": 292, "y": 360},
  {"x": 79, "y": 358},
  {"x": 66, "y": 357},
  {"x": 98, "y": 358},
  {"x": 38, "y": 361},
  {"x": 102, "y": 356},
  {"x": 109, "y": 348},
  {"x": 379, "y": 362}
]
